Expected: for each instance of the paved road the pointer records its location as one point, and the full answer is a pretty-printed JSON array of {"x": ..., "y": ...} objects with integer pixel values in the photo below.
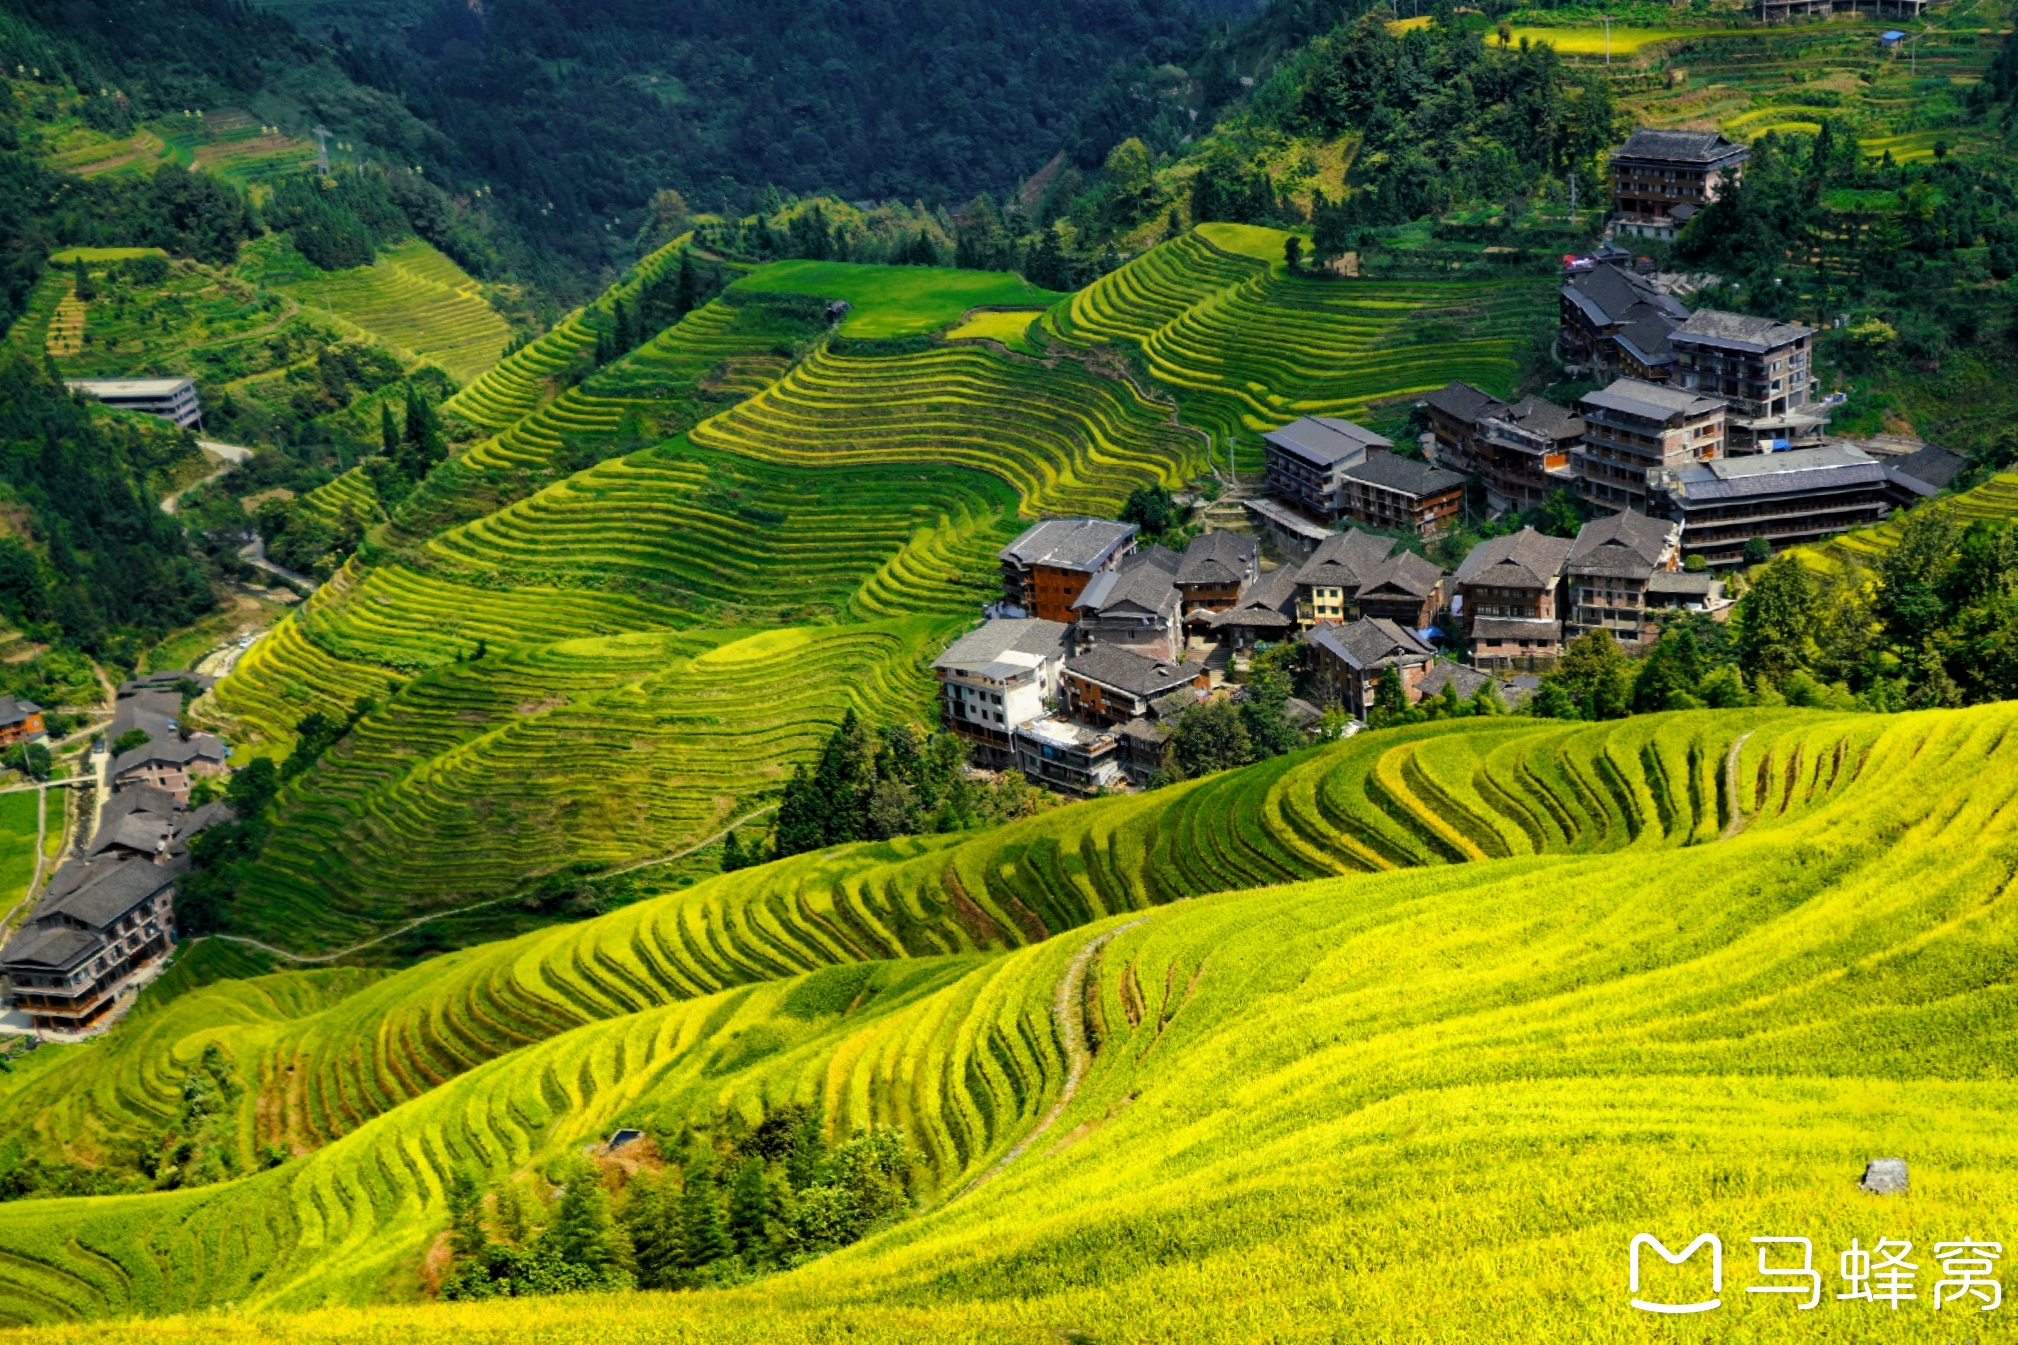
[{"x": 253, "y": 553}]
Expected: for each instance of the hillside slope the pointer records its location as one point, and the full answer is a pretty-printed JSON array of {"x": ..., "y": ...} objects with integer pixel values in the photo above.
[{"x": 1467, "y": 1086}]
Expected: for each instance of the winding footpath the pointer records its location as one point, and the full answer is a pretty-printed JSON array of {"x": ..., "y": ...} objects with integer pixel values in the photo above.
[{"x": 1068, "y": 1016}]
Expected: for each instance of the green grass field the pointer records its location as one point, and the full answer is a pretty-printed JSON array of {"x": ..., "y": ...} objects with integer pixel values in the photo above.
[
  {"x": 17, "y": 842},
  {"x": 1692, "y": 972},
  {"x": 892, "y": 301}
]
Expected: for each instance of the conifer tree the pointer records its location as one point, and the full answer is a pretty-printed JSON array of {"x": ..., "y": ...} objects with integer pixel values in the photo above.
[
  {"x": 654, "y": 1220},
  {"x": 465, "y": 1210},
  {"x": 845, "y": 778},
  {"x": 388, "y": 429},
  {"x": 748, "y": 1206},
  {"x": 702, "y": 1237},
  {"x": 732, "y": 853},
  {"x": 581, "y": 1231}
]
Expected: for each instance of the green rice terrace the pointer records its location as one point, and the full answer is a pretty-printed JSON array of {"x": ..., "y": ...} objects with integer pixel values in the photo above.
[
  {"x": 617, "y": 537},
  {"x": 1679, "y": 972},
  {"x": 1248, "y": 347}
]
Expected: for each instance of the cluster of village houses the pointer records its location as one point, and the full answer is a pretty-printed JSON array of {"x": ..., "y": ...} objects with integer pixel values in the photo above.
[
  {"x": 1708, "y": 433},
  {"x": 106, "y": 920}
]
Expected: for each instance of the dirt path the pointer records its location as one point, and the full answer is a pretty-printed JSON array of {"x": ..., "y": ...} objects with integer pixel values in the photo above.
[
  {"x": 1068, "y": 1015},
  {"x": 1737, "y": 822}
]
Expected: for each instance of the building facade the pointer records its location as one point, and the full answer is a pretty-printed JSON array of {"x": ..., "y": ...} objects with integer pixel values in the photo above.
[
  {"x": 1108, "y": 687},
  {"x": 1134, "y": 607},
  {"x": 1660, "y": 179},
  {"x": 1790, "y": 499},
  {"x": 1632, "y": 429},
  {"x": 100, "y": 924},
  {"x": 170, "y": 398},
  {"x": 1328, "y": 584},
  {"x": 1046, "y": 569},
  {"x": 1333, "y": 469},
  {"x": 998, "y": 677},
  {"x": 1609, "y": 571},
  {"x": 1761, "y": 371},
  {"x": 1216, "y": 569},
  {"x": 1508, "y": 592},
  {"x": 1347, "y": 661}
]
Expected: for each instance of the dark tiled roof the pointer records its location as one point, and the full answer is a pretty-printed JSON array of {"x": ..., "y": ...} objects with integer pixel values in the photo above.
[
  {"x": 1647, "y": 339},
  {"x": 1444, "y": 673},
  {"x": 1933, "y": 466},
  {"x": 1406, "y": 475},
  {"x": 1268, "y": 601},
  {"x": 171, "y": 751},
  {"x": 1462, "y": 400},
  {"x": 1801, "y": 471},
  {"x": 1627, "y": 544},
  {"x": 1370, "y": 643},
  {"x": 1145, "y": 581},
  {"x": 208, "y": 816},
  {"x": 1127, "y": 671},
  {"x": 57, "y": 949},
  {"x": 1218, "y": 558},
  {"x": 1344, "y": 559},
  {"x": 1526, "y": 559},
  {"x": 1686, "y": 583},
  {"x": 1694, "y": 147},
  {"x": 1741, "y": 329},
  {"x": 105, "y": 889},
  {"x": 1404, "y": 572},
  {"x": 1545, "y": 417},
  {"x": 1324, "y": 440},
  {"x": 1514, "y": 628},
  {"x": 1068, "y": 543},
  {"x": 15, "y": 712},
  {"x": 1609, "y": 295}
]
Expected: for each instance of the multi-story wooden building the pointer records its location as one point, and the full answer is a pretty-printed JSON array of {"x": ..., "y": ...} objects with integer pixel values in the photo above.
[
  {"x": 1509, "y": 589},
  {"x": 99, "y": 924},
  {"x": 1632, "y": 429},
  {"x": 1789, "y": 499},
  {"x": 1759, "y": 368},
  {"x": 1108, "y": 687},
  {"x": 1615, "y": 322},
  {"x": 1134, "y": 607},
  {"x": 1609, "y": 572},
  {"x": 1332, "y": 469},
  {"x": 997, "y": 677},
  {"x": 1660, "y": 179},
  {"x": 1046, "y": 569},
  {"x": 20, "y": 721},
  {"x": 1216, "y": 569},
  {"x": 1347, "y": 661},
  {"x": 1327, "y": 585}
]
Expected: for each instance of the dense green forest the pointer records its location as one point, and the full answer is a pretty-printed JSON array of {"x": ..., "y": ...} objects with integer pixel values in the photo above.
[{"x": 100, "y": 567}]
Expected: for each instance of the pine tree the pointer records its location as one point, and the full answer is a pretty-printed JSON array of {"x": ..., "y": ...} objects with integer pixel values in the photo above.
[
  {"x": 1390, "y": 697},
  {"x": 581, "y": 1231},
  {"x": 465, "y": 1211},
  {"x": 703, "y": 1240},
  {"x": 82, "y": 283},
  {"x": 748, "y": 1206},
  {"x": 687, "y": 290},
  {"x": 845, "y": 778},
  {"x": 653, "y": 1220},
  {"x": 388, "y": 429},
  {"x": 801, "y": 823},
  {"x": 732, "y": 853}
]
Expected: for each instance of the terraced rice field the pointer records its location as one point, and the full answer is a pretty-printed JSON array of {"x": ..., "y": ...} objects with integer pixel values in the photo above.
[
  {"x": 412, "y": 299},
  {"x": 1247, "y": 349},
  {"x": 1996, "y": 500},
  {"x": 887, "y": 301},
  {"x": 1420, "y": 798},
  {"x": 1694, "y": 971},
  {"x": 1066, "y": 440},
  {"x": 353, "y": 490}
]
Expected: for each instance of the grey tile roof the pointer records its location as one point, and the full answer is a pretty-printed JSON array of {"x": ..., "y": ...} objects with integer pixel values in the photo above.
[
  {"x": 1144, "y": 583},
  {"x": 1685, "y": 583},
  {"x": 1610, "y": 295},
  {"x": 1798, "y": 471},
  {"x": 1324, "y": 440},
  {"x": 1370, "y": 643},
  {"x": 1515, "y": 628},
  {"x": 1525, "y": 559},
  {"x": 170, "y": 751},
  {"x": 1127, "y": 671},
  {"x": 152, "y": 712},
  {"x": 1068, "y": 543},
  {"x": 1269, "y": 601},
  {"x": 1218, "y": 558},
  {"x": 1741, "y": 329},
  {"x": 978, "y": 649},
  {"x": 1545, "y": 417},
  {"x": 54, "y": 949},
  {"x": 1403, "y": 573},
  {"x": 1692, "y": 147},
  {"x": 15, "y": 711},
  {"x": 1653, "y": 401},
  {"x": 203, "y": 819},
  {"x": 1444, "y": 673},
  {"x": 1344, "y": 559},
  {"x": 1646, "y": 339},
  {"x": 106, "y": 889},
  {"x": 1627, "y": 545},
  {"x": 1393, "y": 472},
  {"x": 1462, "y": 400},
  {"x": 1931, "y": 466}
]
